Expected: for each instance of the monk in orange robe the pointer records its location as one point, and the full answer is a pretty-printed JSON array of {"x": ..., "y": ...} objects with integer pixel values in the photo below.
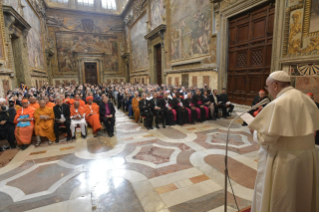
[
  {"x": 44, "y": 122},
  {"x": 78, "y": 118},
  {"x": 76, "y": 99},
  {"x": 24, "y": 124},
  {"x": 48, "y": 103},
  {"x": 92, "y": 113},
  {"x": 33, "y": 103},
  {"x": 135, "y": 106}
]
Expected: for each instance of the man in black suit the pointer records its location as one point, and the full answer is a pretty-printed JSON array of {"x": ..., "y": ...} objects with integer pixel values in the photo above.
[
  {"x": 182, "y": 113},
  {"x": 157, "y": 109},
  {"x": 62, "y": 116},
  {"x": 145, "y": 110},
  {"x": 223, "y": 98},
  {"x": 107, "y": 115}
]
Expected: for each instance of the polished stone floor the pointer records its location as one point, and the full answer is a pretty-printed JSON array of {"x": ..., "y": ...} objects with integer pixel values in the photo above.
[{"x": 176, "y": 169}]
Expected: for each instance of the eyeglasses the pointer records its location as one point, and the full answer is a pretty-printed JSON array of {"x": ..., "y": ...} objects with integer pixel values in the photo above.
[{"x": 267, "y": 86}]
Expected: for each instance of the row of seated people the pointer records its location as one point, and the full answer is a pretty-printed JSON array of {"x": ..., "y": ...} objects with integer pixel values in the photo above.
[
  {"x": 44, "y": 119},
  {"x": 178, "y": 109}
]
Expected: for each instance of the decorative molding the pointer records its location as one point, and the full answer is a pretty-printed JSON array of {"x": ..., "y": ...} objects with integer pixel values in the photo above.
[
  {"x": 210, "y": 69},
  {"x": 157, "y": 32},
  {"x": 19, "y": 20}
]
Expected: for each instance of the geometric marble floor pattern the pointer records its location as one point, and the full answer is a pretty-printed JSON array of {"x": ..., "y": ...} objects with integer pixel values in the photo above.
[{"x": 176, "y": 169}]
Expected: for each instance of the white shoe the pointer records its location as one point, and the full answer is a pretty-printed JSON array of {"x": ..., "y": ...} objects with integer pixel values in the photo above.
[
  {"x": 38, "y": 143},
  {"x": 50, "y": 142}
]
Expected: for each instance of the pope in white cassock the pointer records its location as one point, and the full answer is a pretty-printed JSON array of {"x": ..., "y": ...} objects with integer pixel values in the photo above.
[{"x": 288, "y": 170}]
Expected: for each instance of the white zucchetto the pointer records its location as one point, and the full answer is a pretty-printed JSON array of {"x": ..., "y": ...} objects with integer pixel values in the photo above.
[{"x": 280, "y": 76}]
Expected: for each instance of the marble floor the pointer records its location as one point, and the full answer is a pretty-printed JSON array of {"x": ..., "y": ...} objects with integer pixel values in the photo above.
[{"x": 176, "y": 169}]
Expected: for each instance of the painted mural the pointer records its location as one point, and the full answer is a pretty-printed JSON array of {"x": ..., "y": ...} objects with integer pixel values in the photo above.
[
  {"x": 13, "y": 3},
  {"x": 34, "y": 38},
  {"x": 190, "y": 31},
  {"x": 139, "y": 45},
  {"x": 314, "y": 17},
  {"x": 157, "y": 11},
  {"x": 69, "y": 44}
]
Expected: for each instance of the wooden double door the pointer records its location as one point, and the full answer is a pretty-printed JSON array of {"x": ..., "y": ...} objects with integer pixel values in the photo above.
[
  {"x": 91, "y": 73},
  {"x": 249, "y": 54}
]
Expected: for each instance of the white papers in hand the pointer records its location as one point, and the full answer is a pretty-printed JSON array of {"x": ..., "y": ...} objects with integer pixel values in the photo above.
[{"x": 246, "y": 117}]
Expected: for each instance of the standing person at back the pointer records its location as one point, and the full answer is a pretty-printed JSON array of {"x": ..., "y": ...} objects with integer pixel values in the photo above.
[{"x": 288, "y": 168}]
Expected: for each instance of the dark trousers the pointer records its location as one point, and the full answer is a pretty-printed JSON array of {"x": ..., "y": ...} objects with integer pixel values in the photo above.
[
  {"x": 67, "y": 124},
  {"x": 108, "y": 123},
  {"x": 119, "y": 104},
  {"x": 168, "y": 116},
  {"x": 224, "y": 108},
  {"x": 157, "y": 114},
  {"x": 148, "y": 122},
  {"x": 202, "y": 114},
  {"x": 182, "y": 116},
  {"x": 8, "y": 133}
]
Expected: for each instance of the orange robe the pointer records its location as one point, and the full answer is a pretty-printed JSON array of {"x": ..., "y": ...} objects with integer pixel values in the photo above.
[
  {"x": 35, "y": 105},
  {"x": 93, "y": 120},
  {"x": 24, "y": 134},
  {"x": 42, "y": 127},
  {"x": 50, "y": 105},
  {"x": 71, "y": 102},
  {"x": 135, "y": 108},
  {"x": 81, "y": 111},
  {"x": 17, "y": 107}
]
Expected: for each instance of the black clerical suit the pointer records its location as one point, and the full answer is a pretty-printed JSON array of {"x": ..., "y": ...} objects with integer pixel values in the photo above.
[
  {"x": 182, "y": 113},
  {"x": 155, "y": 102},
  {"x": 108, "y": 122},
  {"x": 7, "y": 130},
  {"x": 198, "y": 102},
  {"x": 58, "y": 111},
  {"x": 224, "y": 99},
  {"x": 145, "y": 110},
  {"x": 169, "y": 113},
  {"x": 187, "y": 103}
]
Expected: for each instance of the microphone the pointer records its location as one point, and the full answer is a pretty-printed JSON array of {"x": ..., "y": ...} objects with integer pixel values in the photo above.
[{"x": 263, "y": 102}]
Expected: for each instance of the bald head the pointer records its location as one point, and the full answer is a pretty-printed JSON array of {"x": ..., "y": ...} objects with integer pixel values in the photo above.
[
  {"x": 76, "y": 104},
  {"x": 42, "y": 103},
  {"x": 32, "y": 100}
]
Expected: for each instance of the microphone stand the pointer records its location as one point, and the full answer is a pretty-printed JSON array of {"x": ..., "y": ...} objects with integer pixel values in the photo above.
[{"x": 263, "y": 102}]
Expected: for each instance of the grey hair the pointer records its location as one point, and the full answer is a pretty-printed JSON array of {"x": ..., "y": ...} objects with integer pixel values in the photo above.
[{"x": 58, "y": 98}]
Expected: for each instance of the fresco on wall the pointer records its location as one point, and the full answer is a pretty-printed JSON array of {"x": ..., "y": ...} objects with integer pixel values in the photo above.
[
  {"x": 139, "y": 45},
  {"x": 69, "y": 44},
  {"x": 34, "y": 38},
  {"x": 314, "y": 17},
  {"x": 190, "y": 31},
  {"x": 13, "y": 3},
  {"x": 157, "y": 11}
]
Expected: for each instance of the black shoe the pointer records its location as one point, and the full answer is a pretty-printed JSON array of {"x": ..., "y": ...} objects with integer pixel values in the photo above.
[
  {"x": 164, "y": 126},
  {"x": 214, "y": 119},
  {"x": 151, "y": 127},
  {"x": 83, "y": 136},
  {"x": 68, "y": 138},
  {"x": 244, "y": 124},
  {"x": 73, "y": 137},
  {"x": 57, "y": 141},
  {"x": 157, "y": 126}
]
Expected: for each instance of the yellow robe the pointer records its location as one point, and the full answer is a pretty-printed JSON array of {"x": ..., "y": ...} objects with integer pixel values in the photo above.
[
  {"x": 42, "y": 127},
  {"x": 135, "y": 108}
]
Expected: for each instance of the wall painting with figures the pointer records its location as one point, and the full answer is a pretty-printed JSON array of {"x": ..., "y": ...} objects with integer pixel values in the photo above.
[
  {"x": 69, "y": 44},
  {"x": 189, "y": 31},
  {"x": 139, "y": 49},
  {"x": 157, "y": 11},
  {"x": 34, "y": 38}
]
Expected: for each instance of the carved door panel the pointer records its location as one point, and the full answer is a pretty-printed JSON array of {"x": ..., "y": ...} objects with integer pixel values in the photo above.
[
  {"x": 158, "y": 63},
  {"x": 249, "y": 55},
  {"x": 169, "y": 80},
  {"x": 194, "y": 81},
  {"x": 90, "y": 73},
  {"x": 185, "y": 80},
  {"x": 206, "y": 81},
  {"x": 6, "y": 87},
  {"x": 176, "y": 81},
  {"x": 36, "y": 84}
]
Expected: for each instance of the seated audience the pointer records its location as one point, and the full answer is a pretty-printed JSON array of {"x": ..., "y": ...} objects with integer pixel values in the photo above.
[
  {"x": 157, "y": 109},
  {"x": 182, "y": 113},
  {"x": 48, "y": 103},
  {"x": 168, "y": 110},
  {"x": 92, "y": 111},
  {"x": 24, "y": 125},
  {"x": 33, "y": 103},
  {"x": 107, "y": 115},
  {"x": 215, "y": 104},
  {"x": 44, "y": 122},
  {"x": 145, "y": 110},
  {"x": 78, "y": 118},
  {"x": 224, "y": 104},
  {"x": 62, "y": 117},
  {"x": 7, "y": 126},
  {"x": 190, "y": 107}
]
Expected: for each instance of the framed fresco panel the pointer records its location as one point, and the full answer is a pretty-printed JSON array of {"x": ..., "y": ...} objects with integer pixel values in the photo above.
[
  {"x": 157, "y": 11},
  {"x": 190, "y": 31},
  {"x": 69, "y": 44},
  {"x": 34, "y": 38},
  {"x": 139, "y": 50}
]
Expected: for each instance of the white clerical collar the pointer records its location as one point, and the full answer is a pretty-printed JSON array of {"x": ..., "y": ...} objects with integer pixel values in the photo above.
[{"x": 284, "y": 90}]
